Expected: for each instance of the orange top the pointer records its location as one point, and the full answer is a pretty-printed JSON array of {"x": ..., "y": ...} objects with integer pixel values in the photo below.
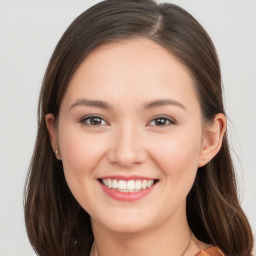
[{"x": 211, "y": 251}]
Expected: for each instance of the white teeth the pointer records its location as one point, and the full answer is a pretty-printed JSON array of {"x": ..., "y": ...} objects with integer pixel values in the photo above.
[
  {"x": 121, "y": 184},
  {"x": 138, "y": 184},
  {"x": 114, "y": 184},
  {"x": 144, "y": 184},
  {"x": 150, "y": 183},
  {"x": 109, "y": 183},
  {"x": 128, "y": 186}
]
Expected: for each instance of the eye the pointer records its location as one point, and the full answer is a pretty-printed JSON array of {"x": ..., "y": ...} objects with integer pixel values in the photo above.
[
  {"x": 93, "y": 120},
  {"x": 161, "y": 121}
]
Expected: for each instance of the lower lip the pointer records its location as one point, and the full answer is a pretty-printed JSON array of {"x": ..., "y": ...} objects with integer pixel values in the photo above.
[{"x": 126, "y": 196}]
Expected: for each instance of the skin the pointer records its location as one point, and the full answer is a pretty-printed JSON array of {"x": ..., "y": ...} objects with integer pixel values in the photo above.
[{"x": 128, "y": 140}]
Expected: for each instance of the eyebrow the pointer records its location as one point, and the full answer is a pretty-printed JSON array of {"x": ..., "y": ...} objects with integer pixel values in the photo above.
[
  {"x": 163, "y": 102},
  {"x": 105, "y": 105},
  {"x": 91, "y": 103}
]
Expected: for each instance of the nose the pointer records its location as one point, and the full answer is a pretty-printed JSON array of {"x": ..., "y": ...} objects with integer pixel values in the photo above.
[{"x": 127, "y": 147}]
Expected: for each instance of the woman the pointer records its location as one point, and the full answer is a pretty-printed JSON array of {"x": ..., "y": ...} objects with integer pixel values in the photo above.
[{"x": 131, "y": 105}]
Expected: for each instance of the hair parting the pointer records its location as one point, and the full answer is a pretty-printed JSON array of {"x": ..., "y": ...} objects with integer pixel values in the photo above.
[{"x": 56, "y": 224}]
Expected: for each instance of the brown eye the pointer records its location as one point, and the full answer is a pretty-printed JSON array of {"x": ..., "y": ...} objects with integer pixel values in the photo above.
[
  {"x": 161, "y": 121},
  {"x": 93, "y": 121}
]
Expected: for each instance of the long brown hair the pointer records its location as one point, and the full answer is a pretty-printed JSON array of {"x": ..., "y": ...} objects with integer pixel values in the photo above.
[{"x": 56, "y": 223}]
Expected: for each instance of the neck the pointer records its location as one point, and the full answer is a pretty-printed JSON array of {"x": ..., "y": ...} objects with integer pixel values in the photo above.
[{"x": 173, "y": 236}]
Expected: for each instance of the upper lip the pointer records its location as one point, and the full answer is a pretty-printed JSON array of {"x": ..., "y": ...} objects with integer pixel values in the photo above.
[{"x": 133, "y": 177}]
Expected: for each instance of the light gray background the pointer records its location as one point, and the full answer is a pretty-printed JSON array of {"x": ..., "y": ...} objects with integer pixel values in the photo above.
[{"x": 29, "y": 31}]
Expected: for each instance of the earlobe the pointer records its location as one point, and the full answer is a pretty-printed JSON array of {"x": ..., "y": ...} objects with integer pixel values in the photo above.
[
  {"x": 212, "y": 141},
  {"x": 52, "y": 131}
]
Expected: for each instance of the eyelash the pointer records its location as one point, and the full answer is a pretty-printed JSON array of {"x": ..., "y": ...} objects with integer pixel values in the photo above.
[
  {"x": 167, "y": 119},
  {"x": 90, "y": 118},
  {"x": 99, "y": 118}
]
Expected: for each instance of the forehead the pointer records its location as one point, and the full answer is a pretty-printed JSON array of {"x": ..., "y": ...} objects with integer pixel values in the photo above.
[{"x": 135, "y": 68}]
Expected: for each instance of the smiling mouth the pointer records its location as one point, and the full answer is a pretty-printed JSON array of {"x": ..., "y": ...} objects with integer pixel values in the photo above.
[{"x": 128, "y": 185}]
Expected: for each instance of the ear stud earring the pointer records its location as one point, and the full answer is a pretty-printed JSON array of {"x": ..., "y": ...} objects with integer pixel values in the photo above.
[
  {"x": 57, "y": 154},
  {"x": 203, "y": 159}
]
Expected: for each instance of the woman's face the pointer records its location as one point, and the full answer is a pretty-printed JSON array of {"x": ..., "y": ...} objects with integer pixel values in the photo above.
[{"x": 130, "y": 118}]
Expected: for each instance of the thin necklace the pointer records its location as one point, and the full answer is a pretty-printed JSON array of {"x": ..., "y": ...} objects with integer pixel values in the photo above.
[
  {"x": 196, "y": 245},
  {"x": 93, "y": 247},
  {"x": 188, "y": 243}
]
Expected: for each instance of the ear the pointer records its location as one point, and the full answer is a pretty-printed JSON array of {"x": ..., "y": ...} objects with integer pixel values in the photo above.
[
  {"x": 212, "y": 140},
  {"x": 53, "y": 134}
]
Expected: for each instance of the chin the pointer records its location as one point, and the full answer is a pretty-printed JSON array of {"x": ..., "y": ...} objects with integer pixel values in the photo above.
[
  {"x": 128, "y": 223},
  {"x": 126, "y": 228}
]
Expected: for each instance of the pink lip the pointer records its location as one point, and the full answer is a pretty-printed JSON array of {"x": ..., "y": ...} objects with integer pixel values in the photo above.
[{"x": 126, "y": 196}]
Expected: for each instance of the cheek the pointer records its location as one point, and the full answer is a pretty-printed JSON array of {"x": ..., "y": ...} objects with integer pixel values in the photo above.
[
  {"x": 178, "y": 154},
  {"x": 80, "y": 151},
  {"x": 80, "y": 155}
]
